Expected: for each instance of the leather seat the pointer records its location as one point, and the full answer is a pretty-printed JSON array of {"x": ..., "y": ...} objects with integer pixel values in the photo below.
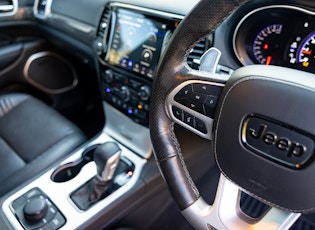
[{"x": 32, "y": 137}]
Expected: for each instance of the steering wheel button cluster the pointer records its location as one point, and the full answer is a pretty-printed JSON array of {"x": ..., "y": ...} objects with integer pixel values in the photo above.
[
  {"x": 184, "y": 92},
  {"x": 199, "y": 97},
  {"x": 189, "y": 119}
]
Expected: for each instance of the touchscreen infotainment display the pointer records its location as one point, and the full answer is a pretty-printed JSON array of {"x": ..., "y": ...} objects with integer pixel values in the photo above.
[{"x": 136, "y": 42}]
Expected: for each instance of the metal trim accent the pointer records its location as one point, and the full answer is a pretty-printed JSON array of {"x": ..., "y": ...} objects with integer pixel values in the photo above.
[
  {"x": 226, "y": 213},
  {"x": 47, "y": 9},
  {"x": 59, "y": 193},
  {"x": 39, "y": 86},
  {"x": 119, "y": 126},
  {"x": 9, "y": 10}
]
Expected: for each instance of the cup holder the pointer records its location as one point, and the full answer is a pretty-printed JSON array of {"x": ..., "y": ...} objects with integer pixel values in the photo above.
[{"x": 70, "y": 170}]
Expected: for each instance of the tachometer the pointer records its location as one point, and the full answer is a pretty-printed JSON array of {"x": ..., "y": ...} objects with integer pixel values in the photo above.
[
  {"x": 306, "y": 53},
  {"x": 266, "y": 44}
]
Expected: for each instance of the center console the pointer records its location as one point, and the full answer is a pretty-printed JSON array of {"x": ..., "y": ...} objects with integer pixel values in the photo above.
[
  {"x": 129, "y": 41},
  {"x": 46, "y": 203},
  {"x": 129, "y": 44}
]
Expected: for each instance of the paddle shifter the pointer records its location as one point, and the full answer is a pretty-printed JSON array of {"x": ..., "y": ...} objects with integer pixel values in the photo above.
[{"x": 106, "y": 158}]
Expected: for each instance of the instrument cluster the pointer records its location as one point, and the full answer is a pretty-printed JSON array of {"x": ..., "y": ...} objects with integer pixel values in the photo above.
[{"x": 277, "y": 35}]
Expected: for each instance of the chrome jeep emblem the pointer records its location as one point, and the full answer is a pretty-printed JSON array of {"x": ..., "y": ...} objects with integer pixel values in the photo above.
[{"x": 279, "y": 143}]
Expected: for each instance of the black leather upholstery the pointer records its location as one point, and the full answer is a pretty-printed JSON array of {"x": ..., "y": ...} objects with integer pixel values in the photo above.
[{"x": 32, "y": 137}]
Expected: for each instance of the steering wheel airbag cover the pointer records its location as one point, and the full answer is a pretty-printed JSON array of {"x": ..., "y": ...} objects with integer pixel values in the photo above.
[{"x": 283, "y": 102}]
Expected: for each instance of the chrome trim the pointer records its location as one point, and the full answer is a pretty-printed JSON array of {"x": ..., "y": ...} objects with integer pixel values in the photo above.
[
  {"x": 59, "y": 193},
  {"x": 47, "y": 9},
  {"x": 225, "y": 213},
  {"x": 41, "y": 87},
  {"x": 9, "y": 10},
  {"x": 147, "y": 10},
  {"x": 171, "y": 102},
  {"x": 136, "y": 137},
  {"x": 255, "y": 11}
]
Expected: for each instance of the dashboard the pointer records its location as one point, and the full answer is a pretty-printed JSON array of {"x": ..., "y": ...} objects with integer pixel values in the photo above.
[
  {"x": 279, "y": 35},
  {"x": 123, "y": 42}
]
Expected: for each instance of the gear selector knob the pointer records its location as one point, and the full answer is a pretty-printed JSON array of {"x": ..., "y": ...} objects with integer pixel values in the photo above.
[{"x": 106, "y": 158}]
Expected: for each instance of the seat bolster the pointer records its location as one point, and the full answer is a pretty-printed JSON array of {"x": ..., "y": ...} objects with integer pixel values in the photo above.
[
  {"x": 42, "y": 163},
  {"x": 10, "y": 162},
  {"x": 10, "y": 101}
]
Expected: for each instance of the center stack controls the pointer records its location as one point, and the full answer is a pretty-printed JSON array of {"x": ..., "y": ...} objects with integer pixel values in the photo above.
[{"x": 129, "y": 95}]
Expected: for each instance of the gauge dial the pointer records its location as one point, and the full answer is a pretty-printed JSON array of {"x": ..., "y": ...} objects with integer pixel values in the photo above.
[
  {"x": 306, "y": 53},
  {"x": 266, "y": 46}
]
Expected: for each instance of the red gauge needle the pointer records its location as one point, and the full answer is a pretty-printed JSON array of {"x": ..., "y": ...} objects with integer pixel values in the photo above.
[
  {"x": 268, "y": 60},
  {"x": 307, "y": 52}
]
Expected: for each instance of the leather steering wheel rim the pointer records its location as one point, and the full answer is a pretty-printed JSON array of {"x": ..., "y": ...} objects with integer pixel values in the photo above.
[{"x": 172, "y": 72}]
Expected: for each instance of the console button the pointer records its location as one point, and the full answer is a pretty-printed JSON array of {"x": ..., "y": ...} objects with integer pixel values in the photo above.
[
  {"x": 35, "y": 209},
  {"x": 200, "y": 126},
  {"x": 211, "y": 101},
  {"x": 109, "y": 76},
  {"x": 144, "y": 93},
  {"x": 198, "y": 97},
  {"x": 57, "y": 221},
  {"x": 184, "y": 92},
  {"x": 207, "y": 89},
  {"x": 178, "y": 113},
  {"x": 189, "y": 119},
  {"x": 192, "y": 105}
]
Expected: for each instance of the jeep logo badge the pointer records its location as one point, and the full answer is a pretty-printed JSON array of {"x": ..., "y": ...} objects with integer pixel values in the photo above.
[{"x": 279, "y": 143}]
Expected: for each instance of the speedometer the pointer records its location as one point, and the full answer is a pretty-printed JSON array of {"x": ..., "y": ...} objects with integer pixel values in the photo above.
[
  {"x": 306, "y": 53},
  {"x": 265, "y": 45}
]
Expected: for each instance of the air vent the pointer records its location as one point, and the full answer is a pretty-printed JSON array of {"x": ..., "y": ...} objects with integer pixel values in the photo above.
[
  {"x": 42, "y": 8},
  {"x": 198, "y": 50},
  {"x": 8, "y": 7},
  {"x": 102, "y": 32}
]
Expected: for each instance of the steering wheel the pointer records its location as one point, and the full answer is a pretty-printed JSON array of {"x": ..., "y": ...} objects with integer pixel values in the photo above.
[{"x": 260, "y": 121}]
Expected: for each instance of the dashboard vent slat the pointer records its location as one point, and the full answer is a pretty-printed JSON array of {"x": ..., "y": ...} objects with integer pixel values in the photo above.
[
  {"x": 8, "y": 7},
  {"x": 198, "y": 50},
  {"x": 104, "y": 23},
  {"x": 102, "y": 32}
]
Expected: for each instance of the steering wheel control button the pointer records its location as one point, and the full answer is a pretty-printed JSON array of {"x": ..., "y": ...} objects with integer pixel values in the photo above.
[
  {"x": 34, "y": 210},
  {"x": 184, "y": 92},
  {"x": 277, "y": 142},
  {"x": 211, "y": 101},
  {"x": 178, "y": 113},
  {"x": 207, "y": 89},
  {"x": 189, "y": 119},
  {"x": 200, "y": 126}
]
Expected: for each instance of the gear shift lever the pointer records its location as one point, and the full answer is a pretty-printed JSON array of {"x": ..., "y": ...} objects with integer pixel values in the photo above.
[{"x": 106, "y": 158}]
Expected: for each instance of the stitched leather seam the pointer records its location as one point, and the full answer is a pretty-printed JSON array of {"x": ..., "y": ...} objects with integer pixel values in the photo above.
[{"x": 179, "y": 152}]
